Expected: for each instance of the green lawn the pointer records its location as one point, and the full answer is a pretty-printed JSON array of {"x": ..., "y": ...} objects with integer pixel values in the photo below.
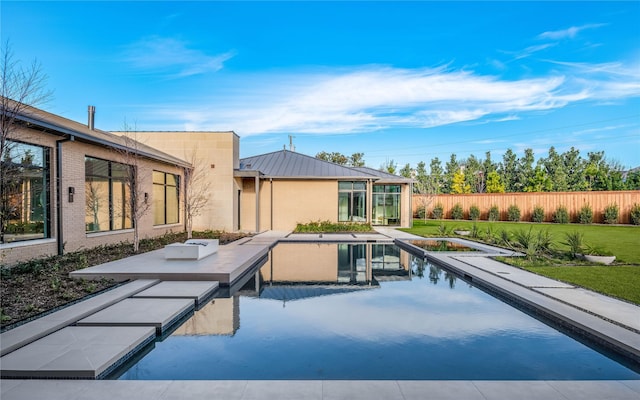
[
  {"x": 621, "y": 280},
  {"x": 617, "y": 281},
  {"x": 623, "y": 241}
]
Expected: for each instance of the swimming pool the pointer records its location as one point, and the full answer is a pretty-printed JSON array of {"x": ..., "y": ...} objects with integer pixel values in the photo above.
[{"x": 366, "y": 311}]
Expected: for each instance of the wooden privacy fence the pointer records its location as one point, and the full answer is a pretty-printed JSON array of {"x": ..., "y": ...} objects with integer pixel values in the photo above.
[{"x": 549, "y": 201}]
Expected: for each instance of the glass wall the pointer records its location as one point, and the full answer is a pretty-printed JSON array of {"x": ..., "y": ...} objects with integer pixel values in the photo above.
[
  {"x": 386, "y": 205},
  {"x": 166, "y": 198},
  {"x": 24, "y": 192},
  {"x": 107, "y": 194},
  {"x": 352, "y": 201}
]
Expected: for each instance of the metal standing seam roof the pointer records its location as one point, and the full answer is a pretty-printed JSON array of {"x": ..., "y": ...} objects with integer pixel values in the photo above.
[
  {"x": 55, "y": 124},
  {"x": 288, "y": 164}
]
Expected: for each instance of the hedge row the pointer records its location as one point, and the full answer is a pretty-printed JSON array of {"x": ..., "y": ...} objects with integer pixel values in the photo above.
[{"x": 610, "y": 214}]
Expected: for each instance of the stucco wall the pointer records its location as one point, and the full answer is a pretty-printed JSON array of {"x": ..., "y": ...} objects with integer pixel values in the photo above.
[{"x": 217, "y": 153}]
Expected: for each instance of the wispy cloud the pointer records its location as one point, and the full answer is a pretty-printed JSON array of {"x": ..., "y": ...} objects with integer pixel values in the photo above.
[
  {"x": 373, "y": 98},
  {"x": 172, "y": 57},
  {"x": 568, "y": 33}
]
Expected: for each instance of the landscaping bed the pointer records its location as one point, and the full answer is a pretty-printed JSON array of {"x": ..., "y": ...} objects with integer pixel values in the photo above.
[
  {"x": 548, "y": 251},
  {"x": 37, "y": 286}
]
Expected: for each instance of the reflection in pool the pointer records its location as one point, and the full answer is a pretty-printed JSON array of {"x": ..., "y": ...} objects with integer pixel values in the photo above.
[{"x": 366, "y": 311}]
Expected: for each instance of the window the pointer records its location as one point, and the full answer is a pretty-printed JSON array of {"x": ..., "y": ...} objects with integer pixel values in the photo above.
[
  {"x": 108, "y": 195},
  {"x": 24, "y": 192},
  {"x": 352, "y": 201},
  {"x": 166, "y": 198},
  {"x": 386, "y": 205}
]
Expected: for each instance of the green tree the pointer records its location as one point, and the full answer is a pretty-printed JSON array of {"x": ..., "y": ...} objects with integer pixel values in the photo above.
[
  {"x": 574, "y": 168},
  {"x": 556, "y": 170},
  {"x": 406, "y": 171},
  {"x": 356, "y": 160},
  {"x": 436, "y": 176},
  {"x": 508, "y": 169},
  {"x": 474, "y": 174},
  {"x": 458, "y": 185},
  {"x": 632, "y": 180},
  {"x": 525, "y": 171},
  {"x": 540, "y": 181},
  {"x": 451, "y": 167},
  {"x": 389, "y": 166},
  {"x": 494, "y": 184}
]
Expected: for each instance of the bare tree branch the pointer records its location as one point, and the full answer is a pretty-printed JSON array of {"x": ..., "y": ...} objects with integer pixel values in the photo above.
[
  {"x": 21, "y": 88},
  {"x": 198, "y": 189}
]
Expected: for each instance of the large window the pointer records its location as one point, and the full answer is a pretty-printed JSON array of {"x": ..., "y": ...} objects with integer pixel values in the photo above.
[
  {"x": 24, "y": 192},
  {"x": 352, "y": 201},
  {"x": 386, "y": 204},
  {"x": 108, "y": 195},
  {"x": 166, "y": 198}
]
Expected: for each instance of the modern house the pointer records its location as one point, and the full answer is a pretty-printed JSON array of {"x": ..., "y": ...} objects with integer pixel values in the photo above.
[
  {"x": 67, "y": 186},
  {"x": 283, "y": 188}
]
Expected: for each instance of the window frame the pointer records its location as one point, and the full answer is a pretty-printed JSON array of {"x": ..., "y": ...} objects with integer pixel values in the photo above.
[
  {"x": 166, "y": 187},
  {"x": 113, "y": 181}
]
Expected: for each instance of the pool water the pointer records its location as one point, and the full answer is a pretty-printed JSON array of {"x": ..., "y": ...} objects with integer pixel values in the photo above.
[{"x": 369, "y": 311}]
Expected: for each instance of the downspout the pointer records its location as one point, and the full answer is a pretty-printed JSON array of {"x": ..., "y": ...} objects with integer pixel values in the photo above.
[
  {"x": 257, "y": 184},
  {"x": 271, "y": 202},
  {"x": 59, "y": 230}
]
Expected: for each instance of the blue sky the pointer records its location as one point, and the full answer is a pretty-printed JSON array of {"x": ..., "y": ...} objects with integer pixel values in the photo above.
[{"x": 401, "y": 81}]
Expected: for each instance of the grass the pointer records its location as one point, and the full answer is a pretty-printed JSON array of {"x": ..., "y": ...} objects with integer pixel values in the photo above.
[
  {"x": 621, "y": 280},
  {"x": 622, "y": 241},
  {"x": 618, "y": 281}
]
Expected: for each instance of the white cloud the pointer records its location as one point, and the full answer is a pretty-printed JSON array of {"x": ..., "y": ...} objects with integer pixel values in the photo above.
[
  {"x": 173, "y": 57},
  {"x": 373, "y": 98},
  {"x": 569, "y": 33}
]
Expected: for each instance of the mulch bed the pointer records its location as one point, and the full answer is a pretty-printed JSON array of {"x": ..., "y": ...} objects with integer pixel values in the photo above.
[{"x": 34, "y": 288}]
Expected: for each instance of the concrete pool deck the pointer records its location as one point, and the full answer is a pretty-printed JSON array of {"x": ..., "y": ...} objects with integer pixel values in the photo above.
[{"x": 597, "y": 313}]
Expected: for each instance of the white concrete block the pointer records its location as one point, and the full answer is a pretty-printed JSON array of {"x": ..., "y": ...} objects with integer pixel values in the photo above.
[{"x": 192, "y": 249}]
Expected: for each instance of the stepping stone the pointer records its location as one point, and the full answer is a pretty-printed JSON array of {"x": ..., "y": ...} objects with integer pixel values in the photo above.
[
  {"x": 77, "y": 352},
  {"x": 159, "y": 313},
  {"x": 198, "y": 290}
]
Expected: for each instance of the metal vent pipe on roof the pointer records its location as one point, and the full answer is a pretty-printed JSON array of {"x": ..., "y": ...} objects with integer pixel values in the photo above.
[{"x": 92, "y": 116}]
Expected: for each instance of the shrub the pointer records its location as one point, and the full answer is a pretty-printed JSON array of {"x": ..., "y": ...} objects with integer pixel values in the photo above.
[
  {"x": 635, "y": 214},
  {"x": 561, "y": 216},
  {"x": 494, "y": 213},
  {"x": 513, "y": 213},
  {"x": 474, "y": 213},
  {"x": 610, "y": 214},
  {"x": 574, "y": 240},
  {"x": 456, "y": 212},
  {"x": 438, "y": 211},
  {"x": 538, "y": 214},
  {"x": 420, "y": 212},
  {"x": 585, "y": 216}
]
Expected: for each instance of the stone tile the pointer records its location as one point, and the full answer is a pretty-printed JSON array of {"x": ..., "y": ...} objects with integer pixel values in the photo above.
[
  {"x": 361, "y": 390},
  {"x": 210, "y": 390},
  {"x": 577, "y": 390},
  {"x": 439, "y": 390},
  {"x": 74, "y": 352},
  {"x": 129, "y": 390},
  {"x": 283, "y": 390},
  {"x": 520, "y": 390},
  {"x": 633, "y": 385},
  {"x": 612, "y": 309},
  {"x": 47, "y": 389},
  {"x": 31, "y": 331},
  {"x": 198, "y": 290},
  {"x": 140, "y": 312}
]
